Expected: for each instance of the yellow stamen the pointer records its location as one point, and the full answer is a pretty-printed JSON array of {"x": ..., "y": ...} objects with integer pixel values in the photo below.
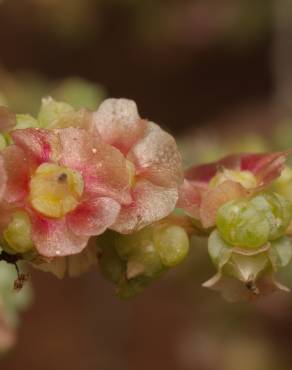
[{"x": 55, "y": 190}]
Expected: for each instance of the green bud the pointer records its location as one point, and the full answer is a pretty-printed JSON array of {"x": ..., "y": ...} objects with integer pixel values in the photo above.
[
  {"x": 242, "y": 224},
  {"x": 172, "y": 244},
  {"x": 277, "y": 210},
  {"x": 18, "y": 233},
  {"x": 51, "y": 111},
  {"x": 24, "y": 121},
  {"x": 80, "y": 93},
  {"x": 138, "y": 249}
]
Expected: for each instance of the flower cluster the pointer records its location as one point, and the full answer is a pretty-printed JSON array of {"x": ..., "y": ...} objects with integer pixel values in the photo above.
[
  {"x": 68, "y": 176},
  {"x": 79, "y": 187}
]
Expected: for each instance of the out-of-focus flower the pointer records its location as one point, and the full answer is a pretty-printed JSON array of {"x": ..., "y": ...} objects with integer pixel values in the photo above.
[
  {"x": 207, "y": 187},
  {"x": 62, "y": 187},
  {"x": 153, "y": 160}
]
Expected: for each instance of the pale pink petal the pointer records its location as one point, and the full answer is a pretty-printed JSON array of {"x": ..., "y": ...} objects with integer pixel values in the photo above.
[
  {"x": 17, "y": 172},
  {"x": 150, "y": 203},
  {"x": 103, "y": 167},
  {"x": 214, "y": 198},
  {"x": 3, "y": 177},
  {"x": 37, "y": 144},
  {"x": 190, "y": 198},
  {"x": 7, "y": 120},
  {"x": 233, "y": 290},
  {"x": 72, "y": 266},
  {"x": 93, "y": 217},
  {"x": 119, "y": 124},
  {"x": 53, "y": 238},
  {"x": 265, "y": 166},
  {"x": 156, "y": 158}
]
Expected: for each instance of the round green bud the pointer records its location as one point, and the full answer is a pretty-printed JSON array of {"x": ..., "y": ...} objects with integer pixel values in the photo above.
[
  {"x": 24, "y": 121},
  {"x": 277, "y": 210},
  {"x": 172, "y": 244},
  {"x": 242, "y": 224},
  {"x": 18, "y": 233},
  {"x": 139, "y": 249}
]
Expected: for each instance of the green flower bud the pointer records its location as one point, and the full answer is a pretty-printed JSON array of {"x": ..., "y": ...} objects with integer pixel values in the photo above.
[
  {"x": 242, "y": 224},
  {"x": 25, "y": 121},
  {"x": 140, "y": 252},
  {"x": 18, "y": 233},
  {"x": 80, "y": 93},
  {"x": 277, "y": 210},
  {"x": 51, "y": 111},
  {"x": 172, "y": 244}
]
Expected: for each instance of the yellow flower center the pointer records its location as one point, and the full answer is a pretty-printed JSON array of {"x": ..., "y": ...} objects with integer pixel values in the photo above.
[
  {"x": 245, "y": 178},
  {"x": 55, "y": 190}
]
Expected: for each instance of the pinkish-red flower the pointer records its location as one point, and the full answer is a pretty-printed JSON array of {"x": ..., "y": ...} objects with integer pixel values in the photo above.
[
  {"x": 153, "y": 161},
  {"x": 100, "y": 167},
  {"x": 201, "y": 200}
]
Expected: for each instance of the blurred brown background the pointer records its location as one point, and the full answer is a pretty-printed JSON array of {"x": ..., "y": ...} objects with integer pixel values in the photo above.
[{"x": 190, "y": 65}]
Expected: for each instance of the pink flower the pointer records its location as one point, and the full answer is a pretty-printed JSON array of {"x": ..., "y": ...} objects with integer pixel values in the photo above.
[
  {"x": 208, "y": 186},
  {"x": 154, "y": 163},
  {"x": 69, "y": 182}
]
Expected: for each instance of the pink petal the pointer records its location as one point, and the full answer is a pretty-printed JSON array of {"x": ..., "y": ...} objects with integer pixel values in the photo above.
[
  {"x": 74, "y": 265},
  {"x": 119, "y": 124},
  {"x": 190, "y": 198},
  {"x": 151, "y": 203},
  {"x": 3, "y": 177},
  {"x": 7, "y": 120},
  {"x": 53, "y": 238},
  {"x": 103, "y": 167},
  {"x": 17, "y": 173},
  {"x": 214, "y": 198},
  {"x": 157, "y": 158},
  {"x": 37, "y": 144},
  {"x": 265, "y": 166},
  {"x": 93, "y": 217}
]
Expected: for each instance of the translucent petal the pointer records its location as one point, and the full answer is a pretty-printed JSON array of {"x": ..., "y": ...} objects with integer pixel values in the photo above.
[{"x": 119, "y": 124}]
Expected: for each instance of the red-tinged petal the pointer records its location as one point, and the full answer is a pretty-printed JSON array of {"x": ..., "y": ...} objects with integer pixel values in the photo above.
[
  {"x": 150, "y": 203},
  {"x": 156, "y": 158},
  {"x": 103, "y": 167},
  {"x": 119, "y": 124},
  {"x": 214, "y": 198},
  {"x": 93, "y": 217},
  {"x": 265, "y": 166},
  {"x": 53, "y": 238},
  {"x": 3, "y": 177},
  {"x": 38, "y": 145},
  {"x": 190, "y": 199},
  {"x": 202, "y": 174},
  {"x": 7, "y": 120},
  {"x": 17, "y": 172}
]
